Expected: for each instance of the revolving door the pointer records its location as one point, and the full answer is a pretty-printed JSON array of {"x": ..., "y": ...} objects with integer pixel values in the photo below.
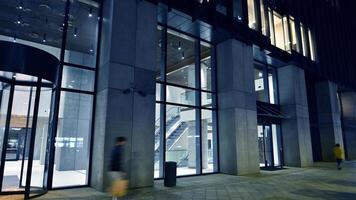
[{"x": 25, "y": 109}]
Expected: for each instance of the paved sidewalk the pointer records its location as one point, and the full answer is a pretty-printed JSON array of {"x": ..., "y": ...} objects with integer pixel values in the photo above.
[{"x": 322, "y": 181}]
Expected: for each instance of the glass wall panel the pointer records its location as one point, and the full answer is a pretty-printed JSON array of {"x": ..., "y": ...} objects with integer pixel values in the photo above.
[
  {"x": 264, "y": 19},
  {"x": 272, "y": 86},
  {"x": 260, "y": 89},
  {"x": 82, "y": 33},
  {"x": 180, "y": 95},
  {"x": 208, "y": 142},
  {"x": 304, "y": 40},
  {"x": 311, "y": 45},
  {"x": 160, "y": 52},
  {"x": 180, "y": 59},
  {"x": 252, "y": 21},
  {"x": 271, "y": 26},
  {"x": 293, "y": 34},
  {"x": 180, "y": 116},
  {"x": 77, "y": 78},
  {"x": 278, "y": 31},
  {"x": 286, "y": 35},
  {"x": 158, "y": 148},
  {"x": 182, "y": 139},
  {"x": 205, "y": 66},
  {"x": 73, "y": 140}
]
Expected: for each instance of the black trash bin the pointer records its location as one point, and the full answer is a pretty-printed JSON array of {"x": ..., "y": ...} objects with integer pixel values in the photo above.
[{"x": 170, "y": 174}]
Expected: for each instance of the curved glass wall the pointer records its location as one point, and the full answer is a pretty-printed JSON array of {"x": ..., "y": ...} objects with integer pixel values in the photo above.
[
  {"x": 185, "y": 104},
  {"x": 68, "y": 30}
]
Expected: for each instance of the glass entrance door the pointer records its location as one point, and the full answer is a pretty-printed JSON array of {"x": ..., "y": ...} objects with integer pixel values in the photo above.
[
  {"x": 24, "y": 115},
  {"x": 269, "y": 144}
]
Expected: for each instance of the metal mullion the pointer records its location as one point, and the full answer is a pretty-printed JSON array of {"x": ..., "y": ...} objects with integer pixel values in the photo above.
[
  {"x": 6, "y": 134},
  {"x": 266, "y": 84},
  {"x": 77, "y": 91},
  {"x": 198, "y": 128},
  {"x": 55, "y": 102},
  {"x": 163, "y": 107},
  {"x": 32, "y": 140},
  {"x": 26, "y": 134},
  {"x": 81, "y": 66}
]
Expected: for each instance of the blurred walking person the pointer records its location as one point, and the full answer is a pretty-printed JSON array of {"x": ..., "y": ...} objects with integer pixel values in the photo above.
[
  {"x": 339, "y": 155},
  {"x": 119, "y": 183}
]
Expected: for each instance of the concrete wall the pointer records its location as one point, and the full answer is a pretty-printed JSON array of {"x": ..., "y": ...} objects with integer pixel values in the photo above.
[
  {"x": 328, "y": 118},
  {"x": 297, "y": 146},
  {"x": 348, "y": 100},
  {"x": 237, "y": 109},
  {"x": 127, "y": 60}
]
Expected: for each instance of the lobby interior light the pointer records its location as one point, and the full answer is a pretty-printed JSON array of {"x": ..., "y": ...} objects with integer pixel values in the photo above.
[
  {"x": 14, "y": 38},
  {"x": 20, "y": 5},
  {"x": 91, "y": 48},
  {"x": 44, "y": 38},
  {"x": 18, "y": 20},
  {"x": 75, "y": 34},
  {"x": 90, "y": 12},
  {"x": 179, "y": 46},
  {"x": 183, "y": 56}
]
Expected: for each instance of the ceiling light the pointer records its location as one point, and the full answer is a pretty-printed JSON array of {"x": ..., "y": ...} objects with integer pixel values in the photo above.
[
  {"x": 18, "y": 20},
  {"x": 90, "y": 12},
  {"x": 91, "y": 48},
  {"x": 75, "y": 32},
  {"x": 20, "y": 6},
  {"x": 44, "y": 38},
  {"x": 182, "y": 56},
  {"x": 179, "y": 46},
  {"x": 14, "y": 39},
  {"x": 260, "y": 74}
]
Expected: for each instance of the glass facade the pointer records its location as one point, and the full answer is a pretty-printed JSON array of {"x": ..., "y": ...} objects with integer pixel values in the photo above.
[
  {"x": 283, "y": 31},
  {"x": 67, "y": 30},
  {"x": 185, "y": 104}
]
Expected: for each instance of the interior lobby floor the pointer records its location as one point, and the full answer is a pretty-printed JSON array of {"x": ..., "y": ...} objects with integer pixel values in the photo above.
[{"x": 323, "y": 181}]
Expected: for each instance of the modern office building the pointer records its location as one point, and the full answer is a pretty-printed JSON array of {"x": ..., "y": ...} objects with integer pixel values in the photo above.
[{"x": 217, "y": 86}]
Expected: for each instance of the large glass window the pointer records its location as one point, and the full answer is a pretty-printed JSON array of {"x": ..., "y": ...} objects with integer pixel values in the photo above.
[
  {"x": 266, "y": 84},
  {"x": 186, "y": 104},
  {"x": 238, "y": 14},
  {"x": 252, "y": 20},
  {"x": 312, "y": 45},
  {"x": 304, "y": 40},
  {"x": 278, "y": 31},
  {"x": 293, "y": 33}
]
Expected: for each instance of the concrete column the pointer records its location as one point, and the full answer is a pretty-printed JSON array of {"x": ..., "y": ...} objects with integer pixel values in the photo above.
[
  {"x": 128, "y": 60},
  {"x": 348, "y": 104},
  {"x": 237, "y": 109},
  {"x": 297, "y": 146},
  {"x": 329, "y": 118}
]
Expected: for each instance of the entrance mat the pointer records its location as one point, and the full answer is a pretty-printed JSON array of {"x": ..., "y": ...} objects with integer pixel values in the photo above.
[{"x": 272, "y": 168}]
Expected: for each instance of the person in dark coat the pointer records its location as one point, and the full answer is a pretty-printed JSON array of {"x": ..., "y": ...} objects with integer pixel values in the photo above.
[{"x": 117, "y": 155}]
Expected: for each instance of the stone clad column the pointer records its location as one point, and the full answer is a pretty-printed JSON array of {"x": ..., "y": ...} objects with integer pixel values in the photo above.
[
  {"x": 297, "y": 146},
  {"x": 328, "y": 118},
  {"x": 348, "y": 104},
  {"x": 237, "y": 109},
  {"x": 128, "y": 60}
]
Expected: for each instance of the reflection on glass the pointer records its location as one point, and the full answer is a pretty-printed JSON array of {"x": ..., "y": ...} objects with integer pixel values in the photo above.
[
  {"x": 180, "y": 95},
  {"x": 158, "y": 91},
  {"x": 79, "y": 79},
  {"x": 73, "y": 139},
  {"x": 276, "y": 140},
  {"x": 206, "y": 66},
  {"x": 180, "y": 59},
  {"x": 182, "y": 140},
  {"x": 252, "y": 22},
  {"x": 208, "y": 141},
  {"x": 82, "y": 33}
]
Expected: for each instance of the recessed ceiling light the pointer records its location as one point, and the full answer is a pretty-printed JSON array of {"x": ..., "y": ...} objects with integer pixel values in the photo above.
[{"x": 90, "y": 12}]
